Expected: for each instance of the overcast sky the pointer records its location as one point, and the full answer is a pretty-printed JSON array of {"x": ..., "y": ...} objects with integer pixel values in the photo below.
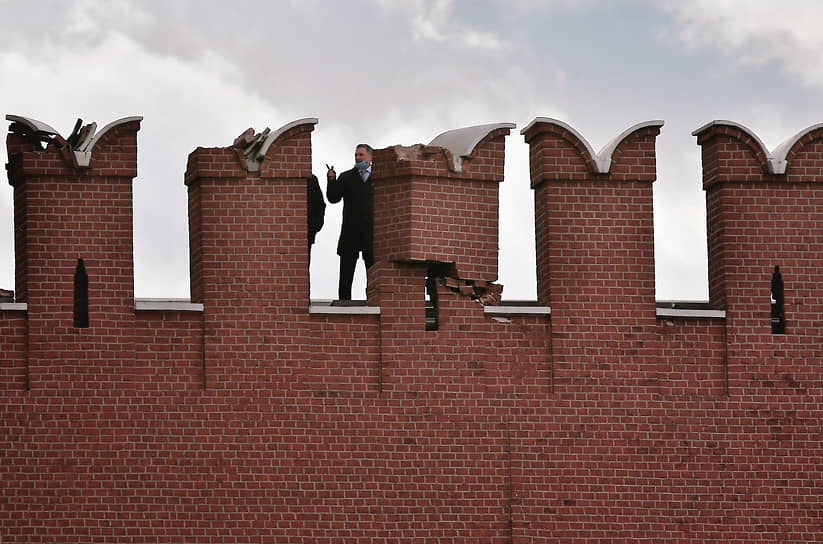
[{"x": 391, "y": 72}]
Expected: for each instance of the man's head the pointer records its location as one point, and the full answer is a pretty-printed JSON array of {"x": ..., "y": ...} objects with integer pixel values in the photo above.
[{"x": 362, "y": 155}]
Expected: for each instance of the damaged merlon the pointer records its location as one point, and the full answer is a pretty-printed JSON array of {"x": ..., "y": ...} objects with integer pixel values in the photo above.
[{"x": 80, "y": 142}]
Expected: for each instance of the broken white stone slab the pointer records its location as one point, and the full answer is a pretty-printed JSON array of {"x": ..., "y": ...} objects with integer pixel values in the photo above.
[
  {"x": 255, "y": 151},
  {"x": 462, "y": 141}
]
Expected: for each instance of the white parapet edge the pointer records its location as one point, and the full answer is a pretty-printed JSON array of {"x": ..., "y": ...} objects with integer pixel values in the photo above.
[
  {"x": 682, "y": 312},
  {"x": 324, "y": 306},
  {"x": 776, "y": 160},
  {"x": 603, "y": 160},
  {"x": 517, "y": 310},
  {"x": 167, "y": 304}
]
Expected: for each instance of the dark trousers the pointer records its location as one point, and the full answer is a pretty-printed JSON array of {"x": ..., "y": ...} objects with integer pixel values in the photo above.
[{"x": 348, "y": 262}]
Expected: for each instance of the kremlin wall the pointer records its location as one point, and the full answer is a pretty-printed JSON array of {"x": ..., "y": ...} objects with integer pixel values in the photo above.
[{"x": 250, "y": 413}]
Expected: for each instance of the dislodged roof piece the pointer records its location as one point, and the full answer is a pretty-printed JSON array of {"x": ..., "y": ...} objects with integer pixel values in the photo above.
[
  {"x": 462, "y": 141},
  {"x": 255, "y": 147},
  {"x": 38, "y": 127},
  {"x": 82, "y": 153}
]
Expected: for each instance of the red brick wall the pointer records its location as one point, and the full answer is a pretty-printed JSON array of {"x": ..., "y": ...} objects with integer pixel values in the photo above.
[
  {"x": 249, "y": 259},
  {"x": 70, "y": 214},
  {"x": 168, "y": 353},
  {"x": 343, "y": 358},
  {"x": 257, "y": 421},
  {"x": 595, "y": 253},
  {"x": 758, "y": 220},
  {"x": 13, "y": 372}
]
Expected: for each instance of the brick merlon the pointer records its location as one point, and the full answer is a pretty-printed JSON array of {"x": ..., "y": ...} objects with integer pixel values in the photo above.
[
  {"x": 602, "y": 161},
  {"x": 776, "y": 161},
  {"x": 461, "y": 141}
]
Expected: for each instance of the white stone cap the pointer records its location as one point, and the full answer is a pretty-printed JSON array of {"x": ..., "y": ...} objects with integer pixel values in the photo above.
[
  {"x": 776, "y": 160},
  {"x": 676, "y": 312},
  {"x": 356, "y": 307},
  {"x": 686, "y": 308},
  {"x": 173, "y": 304},
  {"x": 515, "y": 309},
  {"x": 176, "y": 304},
  {"x": 325, "y": 307},
  {"x": 461, "y": 141},
  {"x": 255, "y": 151},
  {"x": 603, "y": 160}
]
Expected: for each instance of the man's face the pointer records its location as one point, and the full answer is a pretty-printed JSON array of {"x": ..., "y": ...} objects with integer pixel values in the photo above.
[{"x": 361, "y": 154}]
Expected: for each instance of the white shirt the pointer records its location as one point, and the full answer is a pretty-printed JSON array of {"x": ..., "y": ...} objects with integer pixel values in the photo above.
[{"x": 368, "y": 173}]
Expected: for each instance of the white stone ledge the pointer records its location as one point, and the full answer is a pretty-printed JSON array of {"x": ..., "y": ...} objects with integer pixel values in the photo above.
[
  {"x": 167, "y": 304},
  {"x": 517, "y": 310},
  {"x": 680, "y": 312},
  {"x": 328, "y": 307}
]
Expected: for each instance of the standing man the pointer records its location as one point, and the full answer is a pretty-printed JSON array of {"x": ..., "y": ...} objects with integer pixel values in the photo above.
[{"x": 356, "y": 189}]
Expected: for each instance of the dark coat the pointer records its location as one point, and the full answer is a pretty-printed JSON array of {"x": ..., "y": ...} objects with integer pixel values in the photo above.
[
  {"x": 316, "y": 207},
  {"x": 357, "y": 231}
]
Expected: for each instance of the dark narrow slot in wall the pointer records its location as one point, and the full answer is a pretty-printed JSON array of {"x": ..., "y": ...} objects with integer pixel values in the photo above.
[
  {"x": 432, "y": 310},
  {"x": 81, "y": 295},
  {"x": 778, "y": 303}
]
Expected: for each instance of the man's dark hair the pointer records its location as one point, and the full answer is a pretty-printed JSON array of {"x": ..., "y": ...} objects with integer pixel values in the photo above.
[{"x": 367, "y": 147}]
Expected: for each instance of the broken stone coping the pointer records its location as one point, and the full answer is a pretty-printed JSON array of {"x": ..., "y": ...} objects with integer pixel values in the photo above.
[
  {"x": 326, "y": 306},
  {"x": 258, "y": 146},
  {"x": 83, "y": 149},
  {"x": 462, "y": 141}
]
